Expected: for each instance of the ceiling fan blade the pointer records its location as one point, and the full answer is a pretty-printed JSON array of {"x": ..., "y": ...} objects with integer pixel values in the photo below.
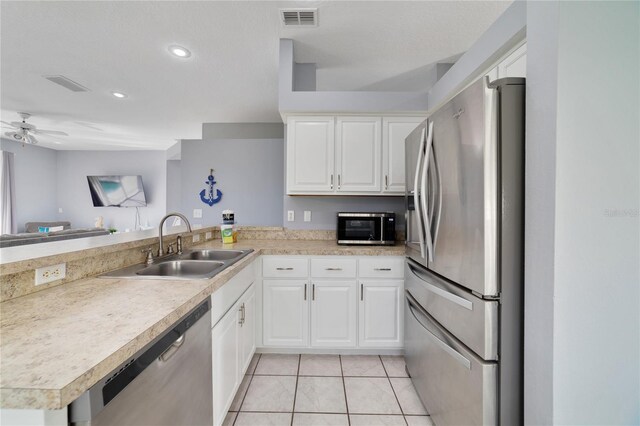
[
  {"x": 8, "y": 124},
  {"x": 49, "y": 132},
  {"x": 30, "y": 139}
]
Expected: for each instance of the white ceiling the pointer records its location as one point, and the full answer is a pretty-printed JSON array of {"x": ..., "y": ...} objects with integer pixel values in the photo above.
[{"x": 232, "y": 75}]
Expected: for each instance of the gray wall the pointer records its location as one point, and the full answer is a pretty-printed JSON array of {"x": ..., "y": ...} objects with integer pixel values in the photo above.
[
  {"x": 249, "y": 172},
  {"x": 35, "y": 180},
  {"x": 73, "y": 191},
  {"x": 174, "y": 186},
  {"x": 583, "y": 234},
  {"x": 324, "y": 209}
]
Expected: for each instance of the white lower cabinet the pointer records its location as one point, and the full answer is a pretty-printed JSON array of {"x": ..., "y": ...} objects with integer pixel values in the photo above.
[
  {"x": 344, "y": 302},
  {"x": 381, "y": 314},
  {"x": 233, "y": 345},
  {"x": 333, "y": 313},
  {"x": 285, "y": 318}
]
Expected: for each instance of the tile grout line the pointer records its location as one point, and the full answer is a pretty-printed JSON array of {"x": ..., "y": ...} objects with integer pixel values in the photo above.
[
  {"x": 295, "y": 393},
  {"x": 393, "y": 390},
  {"x": 344, "y": 388},
  {"x": 246, "y": 392}
]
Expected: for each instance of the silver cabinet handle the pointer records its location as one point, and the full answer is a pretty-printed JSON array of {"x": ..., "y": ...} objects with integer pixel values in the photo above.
[
  {"x": 313, "y": 292},
  {"x": 386, "y": 182},
  {"x": 338, "y": 180},
  {"x": 331, "y": 180},
  {"x": 361, "y": 292},
  {"x": 305, "y": 291},
  {"x": 240, "y": 320},
  {"x": 333, "y": 269},
  {"x": 284, "y": 269},
  {"x": 244, "y": 314},
  {"x": 171, "y": 350},
  {"x": 381, "y": 269}
]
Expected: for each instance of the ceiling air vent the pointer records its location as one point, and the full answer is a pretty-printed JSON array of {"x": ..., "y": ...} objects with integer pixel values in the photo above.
[
  {"x": 66, "y": 83},
  {"x": 299, "y": 17}
]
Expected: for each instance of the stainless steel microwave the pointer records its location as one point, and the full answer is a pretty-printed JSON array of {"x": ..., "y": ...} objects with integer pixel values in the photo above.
[{"x": 366, "y": 228}]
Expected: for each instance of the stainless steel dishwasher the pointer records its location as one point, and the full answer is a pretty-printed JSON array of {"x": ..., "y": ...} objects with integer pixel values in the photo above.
[{"x": 168, "y": 382}]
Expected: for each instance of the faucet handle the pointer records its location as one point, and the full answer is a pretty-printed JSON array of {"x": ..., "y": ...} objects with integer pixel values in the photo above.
[
  {"x": 170, "y": 247},
  {"x": 149, "y": 252}
]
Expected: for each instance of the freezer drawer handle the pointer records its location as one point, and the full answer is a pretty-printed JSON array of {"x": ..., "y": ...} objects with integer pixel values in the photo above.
[
  {"x": 443, "y": 293},
  {"x": 448, "y": 349}
]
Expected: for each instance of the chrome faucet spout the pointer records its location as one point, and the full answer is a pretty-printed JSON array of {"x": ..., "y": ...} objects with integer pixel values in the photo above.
[{"x": 164, "y": 219}]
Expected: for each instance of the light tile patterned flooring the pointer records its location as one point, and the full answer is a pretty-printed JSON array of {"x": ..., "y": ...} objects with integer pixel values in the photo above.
[{"x": 327, "y": 390}]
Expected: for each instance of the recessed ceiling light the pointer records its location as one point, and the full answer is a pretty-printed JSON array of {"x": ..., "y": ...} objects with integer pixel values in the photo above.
[
  {"x": 179, "y": 51},
  {"x": 119, "y": 95}
]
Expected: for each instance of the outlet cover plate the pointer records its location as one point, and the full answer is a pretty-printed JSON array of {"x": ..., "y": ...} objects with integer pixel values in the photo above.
[
  {"x": 48, "y": 274},
  {"x": 307, "y": 215},
  {"x": 197, "y": 213},
  {"x": 291, "y": 216},
  {"x": 196, "y": 238},
  {"x": 207, "y": 235}
]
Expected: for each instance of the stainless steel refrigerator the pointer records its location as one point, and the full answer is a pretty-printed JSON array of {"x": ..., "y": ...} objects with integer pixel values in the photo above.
[{"x": 464, "y": 269}]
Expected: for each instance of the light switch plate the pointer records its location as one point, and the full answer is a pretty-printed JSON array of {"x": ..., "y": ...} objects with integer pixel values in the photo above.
[
  {"x": 307, "y": 215},
  {"x": 197, "y": 213},
  {"x": 196, "y": 238},
  {"x": 47, "y": 274},
  {"x": 59, "y": 209},
  {"x": 291, "y": 216}
]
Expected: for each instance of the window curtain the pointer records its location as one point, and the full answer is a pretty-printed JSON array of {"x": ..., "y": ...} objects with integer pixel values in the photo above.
[{"x": 7, "y": 195}]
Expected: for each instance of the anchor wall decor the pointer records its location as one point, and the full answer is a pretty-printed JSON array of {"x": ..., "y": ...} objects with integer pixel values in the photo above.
[{"x": 208, "y": 198}]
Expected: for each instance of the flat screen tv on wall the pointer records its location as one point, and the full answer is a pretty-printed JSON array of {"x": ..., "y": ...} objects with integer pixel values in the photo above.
[{"x": 117, "y": 191}]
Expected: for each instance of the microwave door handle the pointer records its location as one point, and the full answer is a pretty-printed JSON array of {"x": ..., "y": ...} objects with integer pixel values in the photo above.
[
  {"x": 416, "y": 195},
  {"x": 425, "y": 173}
]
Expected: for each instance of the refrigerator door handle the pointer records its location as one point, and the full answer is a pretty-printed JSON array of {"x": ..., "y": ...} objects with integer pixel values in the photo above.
[
  {"x": 439, "y": 213},
  {"x": 415, "y": 307},
  {"x": 416, "y": 196},
  {"x": 425, "y": 172}
]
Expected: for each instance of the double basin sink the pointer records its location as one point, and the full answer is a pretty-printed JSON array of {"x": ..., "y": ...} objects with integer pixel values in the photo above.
[{"x": 190, "y": 265}]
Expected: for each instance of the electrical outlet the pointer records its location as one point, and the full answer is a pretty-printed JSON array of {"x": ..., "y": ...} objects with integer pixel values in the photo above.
[
  {"x": 59, "y": 209},
  {"x": 196, "y": 238},
  {"x": 291, "y": 216},
  {"x": 47, "y": 274},
  {"x": 197, "y": 213},
  {"x": 207, "y": 235},
  {"x": 307, "y": 215}
]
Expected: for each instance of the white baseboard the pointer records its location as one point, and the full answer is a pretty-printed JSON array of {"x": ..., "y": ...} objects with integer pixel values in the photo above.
[{"x": 328, "y": 351}]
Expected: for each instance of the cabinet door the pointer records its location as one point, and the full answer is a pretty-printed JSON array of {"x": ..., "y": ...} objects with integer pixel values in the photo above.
[
  {"x": 514, "y": 65},
  {"x": 310, "y": 155},
  {"x": 333, "y": 313},
  {"x": 247, "y": 338},
  {"x": 359, "y": 150},
  {"x": 285, "y": 318},
  {"x": 225, "y": 363},
  {"x": 381, "y": 314},
  {"x": 394, "y": 132}
]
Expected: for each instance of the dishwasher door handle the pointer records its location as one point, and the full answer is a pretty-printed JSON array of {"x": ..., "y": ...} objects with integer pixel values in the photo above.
[{"x": 171, "y": 350}]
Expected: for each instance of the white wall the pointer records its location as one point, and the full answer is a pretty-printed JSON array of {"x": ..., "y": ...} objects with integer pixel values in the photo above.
[
  {"x": 73, "y": 191},
  {"x": 583, "y": 358},
  {"x": 35, "y": 177}
]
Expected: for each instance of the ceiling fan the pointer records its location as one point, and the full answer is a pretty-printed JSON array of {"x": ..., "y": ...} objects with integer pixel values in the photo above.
[{"x": 23, "y": 131}]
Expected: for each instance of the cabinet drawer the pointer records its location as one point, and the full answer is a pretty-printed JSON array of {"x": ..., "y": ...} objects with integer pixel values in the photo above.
[
  {"x": 382, "y": 267},
  {"x": 333, "y": 268},
  {"x": 282, "y": 267}
]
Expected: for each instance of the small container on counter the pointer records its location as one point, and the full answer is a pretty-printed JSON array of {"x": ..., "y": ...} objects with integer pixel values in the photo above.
[
  {"x": 229, "y": 234},
  {"x": 228, "y": 217}
]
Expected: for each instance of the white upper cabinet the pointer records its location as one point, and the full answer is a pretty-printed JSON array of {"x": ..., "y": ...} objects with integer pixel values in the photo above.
[
  {"x": 310, "y": 155},
  {"x": 394, "y": 132},
  {"x": 359, "y": 150},
  {"x": 347, "y": 155},
  {"x": 513, "y": 65}
]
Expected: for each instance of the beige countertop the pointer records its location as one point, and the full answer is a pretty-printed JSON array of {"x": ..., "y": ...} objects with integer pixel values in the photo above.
[{"x": 56, "y": 343}]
